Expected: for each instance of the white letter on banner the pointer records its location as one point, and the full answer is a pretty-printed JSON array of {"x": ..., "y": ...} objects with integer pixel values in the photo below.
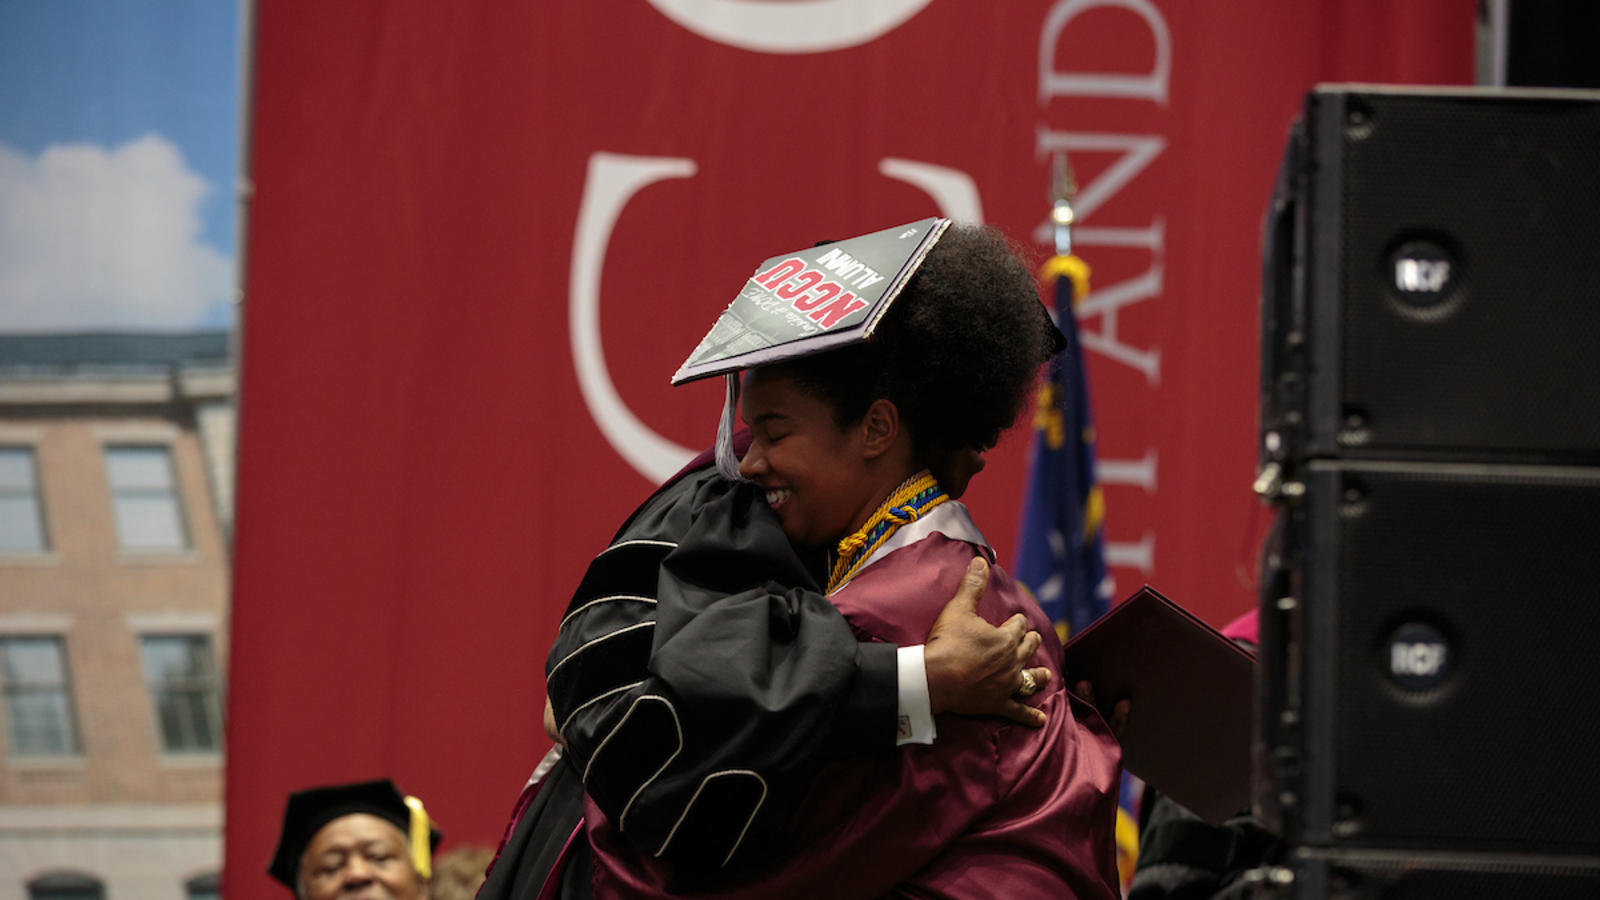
[
  {"x": 611, "y": 182},
  {"x": 952, "y": 189},
  {"x": 795, "y": 26},
  {"x": 1151, "y": 237},
  {"x": 1127, "y": 554},
  {"x": 1141, "y": 472},
  {"x": 1106, "y": 302},
  {"x": 1151, "y": 86},
  {"x": 1137, "y": 152}
]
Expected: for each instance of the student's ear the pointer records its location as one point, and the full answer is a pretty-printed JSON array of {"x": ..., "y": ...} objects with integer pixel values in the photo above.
[{"x": 880, "y": 427}]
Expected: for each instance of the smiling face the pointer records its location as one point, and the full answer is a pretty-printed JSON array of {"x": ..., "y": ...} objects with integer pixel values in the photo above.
[
  {"x": 359, "y": 857},
  {"x": 823, "y": 480}
]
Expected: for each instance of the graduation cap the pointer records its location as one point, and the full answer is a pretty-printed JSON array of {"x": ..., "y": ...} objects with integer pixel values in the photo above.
[
  {"x": 309, "y": 810},
  {"x": 806, "y": 302}
]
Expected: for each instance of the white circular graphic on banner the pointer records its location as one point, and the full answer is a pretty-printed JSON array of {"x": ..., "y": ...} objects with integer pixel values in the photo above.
[
  {"x": 796, "y": 26},
  {"x": 610, "y": 182}
]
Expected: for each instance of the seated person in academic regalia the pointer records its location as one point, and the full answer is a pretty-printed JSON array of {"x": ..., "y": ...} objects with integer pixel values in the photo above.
[{"x": 361, "y": 839}]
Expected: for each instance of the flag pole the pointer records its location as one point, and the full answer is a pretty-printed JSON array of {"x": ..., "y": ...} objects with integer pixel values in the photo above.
[
  {"x": 1063, "y": 191},
  {"x": 1069, "y": 293}
]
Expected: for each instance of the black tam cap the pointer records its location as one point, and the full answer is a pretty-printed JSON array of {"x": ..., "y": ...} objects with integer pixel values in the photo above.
[{"x": 309, "y": 810}]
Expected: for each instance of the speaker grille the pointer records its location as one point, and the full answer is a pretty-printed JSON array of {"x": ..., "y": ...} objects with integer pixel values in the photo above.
[
  {"x": 1501, "y": 564},
  {"x": 1504, "y": 368}
]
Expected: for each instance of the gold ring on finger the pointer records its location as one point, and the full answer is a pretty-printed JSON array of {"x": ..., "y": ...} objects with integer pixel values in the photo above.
[{"x": 1029, "y": 685}]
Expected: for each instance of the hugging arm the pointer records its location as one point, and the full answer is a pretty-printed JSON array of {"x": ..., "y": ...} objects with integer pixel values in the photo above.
[{"x": 698, "y": 682}]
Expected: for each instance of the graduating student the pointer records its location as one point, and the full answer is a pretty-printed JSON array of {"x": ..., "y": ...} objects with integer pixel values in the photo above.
[
  {"x": 759, "y": 665},
  {"x": 361, "y": 839},
  {"x": 844, "y": 443}
]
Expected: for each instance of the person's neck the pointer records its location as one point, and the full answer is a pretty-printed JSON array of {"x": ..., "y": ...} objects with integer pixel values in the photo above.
[
  {"x": 907, "y": 501},
  {"x": 885, "y": 487}
]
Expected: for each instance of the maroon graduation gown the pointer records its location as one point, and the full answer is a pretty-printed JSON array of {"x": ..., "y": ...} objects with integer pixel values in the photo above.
[{"x": 991, "y": 809}]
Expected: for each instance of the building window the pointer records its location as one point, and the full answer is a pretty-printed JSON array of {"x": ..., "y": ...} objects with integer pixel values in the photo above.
[
  {"x": 203, "y": 887},
  {"x": 144, "y": 498},
  {"x": 66, "y": 886},
  {"x": 183, "y": 689},
  {"x": 38, "y": 697},
  {"x": 21, "y": 518}
]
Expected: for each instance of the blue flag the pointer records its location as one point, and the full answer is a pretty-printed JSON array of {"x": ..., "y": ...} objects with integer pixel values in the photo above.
[{"x": 1061, "y": 549}]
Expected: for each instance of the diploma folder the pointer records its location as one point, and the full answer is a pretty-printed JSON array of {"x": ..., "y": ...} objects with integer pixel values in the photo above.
[{"x": 1192, "y": 692}]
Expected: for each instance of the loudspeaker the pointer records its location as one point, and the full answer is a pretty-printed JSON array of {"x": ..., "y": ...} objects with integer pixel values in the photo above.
[
  {"x": 1440, "y": 690},
  {"x": 1391, "y": 876},
  {"x": 1431, "y": 288},
  {"x": 1430, "y": 434},
  {"x": 1551, "y": 43}
]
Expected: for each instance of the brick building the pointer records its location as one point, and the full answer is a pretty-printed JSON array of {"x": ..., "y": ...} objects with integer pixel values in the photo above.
[{"x": 116, "y": 470}]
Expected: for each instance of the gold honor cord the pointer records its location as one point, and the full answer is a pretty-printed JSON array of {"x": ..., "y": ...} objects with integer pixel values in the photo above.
[
  {"x": 908, "y": 503},
  {"x": 421, "y": 851}
]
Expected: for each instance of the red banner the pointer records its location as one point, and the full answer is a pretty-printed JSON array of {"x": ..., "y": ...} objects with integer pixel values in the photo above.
[{"x": 472, "y": 238}]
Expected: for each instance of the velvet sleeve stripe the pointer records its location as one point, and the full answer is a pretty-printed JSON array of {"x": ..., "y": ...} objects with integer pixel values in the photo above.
[
  {"x": 594, "y": 604},
  {"x": 720, "y": 813},
  {"x": 638, "y": 749},
  {"x": 627, "y": 567},
  {"x": 566, "y": 723},
  {"x": 615, "y": 658}
]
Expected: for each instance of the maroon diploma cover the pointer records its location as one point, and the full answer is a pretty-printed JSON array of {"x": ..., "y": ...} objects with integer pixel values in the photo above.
[{"x": 1189, "y": 730}]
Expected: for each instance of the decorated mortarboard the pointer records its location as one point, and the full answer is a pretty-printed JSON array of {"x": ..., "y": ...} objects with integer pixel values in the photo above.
[
  {"x": 812, "y": 300},
  {"x": 805, "y": 302},
  {"x": 309, "y": 810}
]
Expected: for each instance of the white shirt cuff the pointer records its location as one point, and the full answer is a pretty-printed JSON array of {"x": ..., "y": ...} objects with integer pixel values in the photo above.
[{"x": 915, "y": 708}]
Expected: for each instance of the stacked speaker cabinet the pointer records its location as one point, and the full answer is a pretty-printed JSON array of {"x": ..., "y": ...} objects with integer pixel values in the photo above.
[{"x": 1430, "y": 435}]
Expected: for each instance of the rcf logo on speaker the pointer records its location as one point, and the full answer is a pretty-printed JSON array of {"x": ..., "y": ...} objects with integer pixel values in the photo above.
[
  {"x": 1423, "y": 273},
  {"x": 1419, "y": 658}
]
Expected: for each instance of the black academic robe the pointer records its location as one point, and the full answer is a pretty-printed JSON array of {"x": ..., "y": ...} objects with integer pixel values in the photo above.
[{"x": 699, "y": 678}]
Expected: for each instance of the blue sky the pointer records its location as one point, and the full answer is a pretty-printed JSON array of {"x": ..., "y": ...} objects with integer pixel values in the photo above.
[{"x": 101, "y": 76}]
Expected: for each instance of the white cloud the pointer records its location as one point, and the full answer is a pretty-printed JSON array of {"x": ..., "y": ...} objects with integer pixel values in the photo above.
[{"x": 97, "y": 238}]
